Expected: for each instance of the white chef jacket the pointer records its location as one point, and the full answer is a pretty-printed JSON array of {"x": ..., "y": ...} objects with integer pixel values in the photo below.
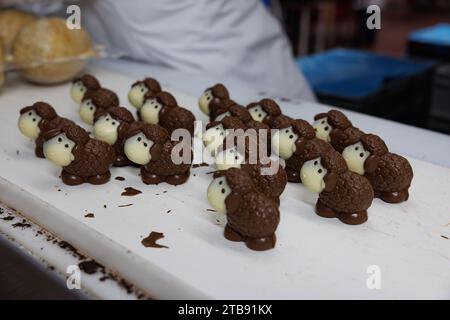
[{"x": 224, "y": 38}]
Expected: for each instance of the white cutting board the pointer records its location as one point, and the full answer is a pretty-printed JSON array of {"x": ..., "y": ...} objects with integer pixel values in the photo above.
[{"x": 314, "y": 257}]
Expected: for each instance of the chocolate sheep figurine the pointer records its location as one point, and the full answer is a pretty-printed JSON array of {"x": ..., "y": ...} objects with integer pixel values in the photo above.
[
  {"x": 325, "y": 123},
  {"x": 216, "y": 132},
  {"x": 268, "y": 175},
  {"x": 343, "y": 194},
  {"x": 149, "y": 145},
  {"x": 389, "y": 173},
  {"x": 140, "y": 88},
  {"x": 266, "y": 111},
  {"x": 230, "y": 108},
  {"x": 82, "y": 85},
  {"x": 293, "y": 142},
  {"x": 96, "y": 100},
  {"x": 212, "y": 99},
  {"x": 162, "y": 108},
  {"x": 84, "y": 160},
  {"x": 252, "y": 217},
  {"x": 37, "y": 119},
  {"x": 110, "y": 126}
]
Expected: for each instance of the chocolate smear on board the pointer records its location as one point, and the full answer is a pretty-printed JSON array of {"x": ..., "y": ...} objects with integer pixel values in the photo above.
[
  {"x": 211, "y": 210},
  {"x": 130, "y": 192},
  {"x": 22, "y": 225},
  {"x": 198, "y": 165},
  {"x": 150, "y": 241},
  {"x": 445, "y": 237},
  {"x": 120, "y": 178},
  {"x": 125, "y": 205},
  {"x": 9, "y": 218},
  {"x": 89, "y": 266},
  {"x": 89, "y": 215}
]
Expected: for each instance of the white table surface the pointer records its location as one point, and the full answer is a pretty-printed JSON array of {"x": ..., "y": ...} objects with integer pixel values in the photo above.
[{"x": 401, "y": 138}]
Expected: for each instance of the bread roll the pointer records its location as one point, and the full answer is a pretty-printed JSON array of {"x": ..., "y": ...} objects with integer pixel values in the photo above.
[
  {"x": 11, "y": 22},
  {"x": 48, "y": 40}
]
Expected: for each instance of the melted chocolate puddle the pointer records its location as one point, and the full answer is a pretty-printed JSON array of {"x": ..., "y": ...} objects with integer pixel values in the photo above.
[
  {"x": 130, "y": 192},
  {"x": 90, "y": 266},
  {"x": 150, "y": 241}
]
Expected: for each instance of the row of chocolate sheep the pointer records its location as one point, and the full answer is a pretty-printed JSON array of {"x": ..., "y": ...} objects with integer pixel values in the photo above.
[
  {"x": 119, "y": 140},
  {"x": 345, "y": 166}
]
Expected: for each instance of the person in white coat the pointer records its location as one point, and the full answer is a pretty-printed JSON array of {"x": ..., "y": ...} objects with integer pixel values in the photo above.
[{"x": 240, "y": 39}]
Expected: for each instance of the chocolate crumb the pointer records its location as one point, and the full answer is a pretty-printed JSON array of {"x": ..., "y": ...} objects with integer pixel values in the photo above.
[
  {"x": 165, "y": 191},
  {"x": 104, "y": 206},
  {"x": 9, "y": 218},
  {"x": 17, "y": 152},
  {"x": 198, "y": 165},
  {"x": 445, "y": 237},
  {"x": 125, "y": 205},
  {"x": 130, "y": 192},
  {"x": 120, "y": 178},
  {"x": 211, "y": 210},
  {"x": 102, "y": 279},
  {"x": 89, "y": 215},
  {"x": 51, "y": 268},
  {"x": 169, "y": 211},
  {"x": 59, "y": 190},
  {"x": 89, "y": 266},
  {"x": 150, "y": 241},
  {"x": 21, "y": 225}
]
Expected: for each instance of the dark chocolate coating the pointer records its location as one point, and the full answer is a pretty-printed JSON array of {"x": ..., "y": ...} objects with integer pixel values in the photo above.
[
  {"x": 234, "y": 109},
  {"x": 102, "y": 98},
  {"x": 93, "y": 158},
  {"x": 172, "y": 116},
  {"x": 269, "y": 106},
  {"x": 161, "y": 167},
  {"x": 251, "y": 214},
  {"x": 125, "y": 117},
  {"x": 270, "y": 185},
  {"x": 50, "y": 120},
  {"x": 90, "y": 82},
  {"x": 220, "y": 95},
  {"x": 151, "y": 84},
  {"x": 336, "y": 119},
  {"x": 340, "y": 139}
]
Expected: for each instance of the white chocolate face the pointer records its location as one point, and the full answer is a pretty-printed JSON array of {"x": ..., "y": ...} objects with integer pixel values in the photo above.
[
  {"x": 229, "y": 158},
  {"x": 150, "y": 111},
  {"x": 355, "y": 156},
  {"x": 105, "y": 129},
  {"x": 218, "y": 191},
  {"x": 29, "y": 124},
  {"x": 77, "y": 91},
  {"x": 220, "y": 117},
  {"x": 137, "y": 149},
  {"x": 87, "y": 110},
  {"x": 204, "y": 101},
  {"x": 136, "y": 95},
  {"x": 257, "y": 113},
  {"x": 213, "y": 138},
  {"x": 59, "y": 150},
  {"x": 312, "y": 174},
  {"x": 323, "y": 129},
  {"x": 283, "y": 142}
]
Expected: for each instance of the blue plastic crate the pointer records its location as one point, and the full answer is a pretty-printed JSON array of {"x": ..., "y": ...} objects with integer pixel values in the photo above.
[
  {"x": 431, "y": 43},
  {"x": 397, "y": 89}
]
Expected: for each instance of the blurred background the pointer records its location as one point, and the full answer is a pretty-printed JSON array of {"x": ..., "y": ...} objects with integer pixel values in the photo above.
[{"x": 399, "y": 72}]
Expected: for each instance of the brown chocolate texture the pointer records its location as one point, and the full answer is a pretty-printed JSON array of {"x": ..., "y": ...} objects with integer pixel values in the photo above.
[
  {"x": 161, "y": 168},
  {"x": 50, "y": 120},
  {"x": 172, "y": 116},
  {"x": 90, "y": 82},
  {"x": 252, "y": 217},
  {"x": 93, "y": 158},
  {"x": 220, "y": 95},
  {"x": 102, "y": 98},
  {"x": 125, "y": 117}
]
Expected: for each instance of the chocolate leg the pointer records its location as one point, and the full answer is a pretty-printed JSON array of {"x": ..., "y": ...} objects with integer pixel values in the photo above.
[
  {"x": 121, "y": 161},
  {"x": 177, "y": 179},
  {"x": 261, "y": 244},
  {"x": 70, "y": 179},
  {"x": 231, "y": 235},
  {"x": 100, "y": 178},
  {"x": 394, "y": 197},
  {"x": 293, "y": 175},
  {"x": 39, "y": 151},
  {"x": 150, "y": 178},
  {"x": 324, "y": 211},
  {"x": 353, "y": 218}
]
